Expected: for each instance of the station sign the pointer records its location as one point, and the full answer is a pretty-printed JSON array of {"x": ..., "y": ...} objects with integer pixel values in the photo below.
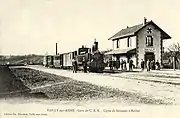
[{"x": 149, "y": 50}]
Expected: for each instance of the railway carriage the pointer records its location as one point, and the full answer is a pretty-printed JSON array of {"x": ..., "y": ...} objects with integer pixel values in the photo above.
[
  {"x": 94, "y": 59},
  {"x": 67, "y": 60},
  {"x": 48, "y": 61},
  {"x": 58, "y": 61}
]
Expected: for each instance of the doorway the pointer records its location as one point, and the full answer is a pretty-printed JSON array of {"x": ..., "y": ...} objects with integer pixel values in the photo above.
[{"x": 150, "y": 56}]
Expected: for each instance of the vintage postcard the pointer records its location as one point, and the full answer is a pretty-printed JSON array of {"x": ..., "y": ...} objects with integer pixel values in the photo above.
[{"x": 89, "y": 58}]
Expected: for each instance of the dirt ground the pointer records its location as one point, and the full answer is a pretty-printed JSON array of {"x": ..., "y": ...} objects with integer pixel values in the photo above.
[
  {"x": 131, "y": 88},
  {"x": 9, "y": 85},
  {"x": 157, "y": 85},
  {"x": 51, "y": 86},
  {"x": 128, "y": 94}
]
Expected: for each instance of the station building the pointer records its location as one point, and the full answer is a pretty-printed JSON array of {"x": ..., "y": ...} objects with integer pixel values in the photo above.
[{"x": 142, "y": 41}]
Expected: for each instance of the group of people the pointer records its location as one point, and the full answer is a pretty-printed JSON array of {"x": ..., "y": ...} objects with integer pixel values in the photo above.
[
  {"x": 150, "y": 65},
  {"x": 121, "y": 64},
  {"x": 75, "y": 65}
]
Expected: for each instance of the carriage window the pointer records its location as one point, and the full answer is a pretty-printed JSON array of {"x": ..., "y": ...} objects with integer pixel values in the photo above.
[{"x": 149, "y": 41}]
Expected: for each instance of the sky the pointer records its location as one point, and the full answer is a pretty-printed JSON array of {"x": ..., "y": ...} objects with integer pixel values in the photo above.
[{"x": 34, "y": 26}]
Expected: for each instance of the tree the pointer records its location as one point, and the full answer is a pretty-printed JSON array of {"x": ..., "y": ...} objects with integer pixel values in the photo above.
[{"x": 174, "y": 50}]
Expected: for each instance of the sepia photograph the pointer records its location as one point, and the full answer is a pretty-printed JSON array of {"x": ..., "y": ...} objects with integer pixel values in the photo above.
[{"x": 89, "y": 58}]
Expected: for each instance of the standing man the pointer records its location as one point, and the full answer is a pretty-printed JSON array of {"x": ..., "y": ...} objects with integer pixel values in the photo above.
[
  {"x": 142, "y": 64},
  {"x": 148, "y": 63},
  {"x": 117, "y": 64},
  {"x": 131, "y": 65},
  {"x": 84, "y": 65},
  {"x": 157, "y": 65},
  {"x": 122, "y": 63},
  {"x": 74, "y": 64},
  {"x": 111, "y": 65},
  {"x": 125, "y": 67},
  {"x": 153, "y": 65}
]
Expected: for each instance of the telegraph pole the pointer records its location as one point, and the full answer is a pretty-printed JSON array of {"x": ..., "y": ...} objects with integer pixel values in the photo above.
[{"x": 56, "y": 49}]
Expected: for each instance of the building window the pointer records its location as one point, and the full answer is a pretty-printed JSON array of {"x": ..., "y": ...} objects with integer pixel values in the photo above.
[
  {"x": 128, "y": 42},
  {"x": 149, "y": 30},
  {"x": 149, "y": 41},
  {"x": 117, "y": 44}
]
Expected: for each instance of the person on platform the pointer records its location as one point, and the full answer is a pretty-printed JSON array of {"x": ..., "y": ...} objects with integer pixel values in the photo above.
[
  {"x": 74, "y": 64},
  {"x": 117, "y": 64},
  {"x": 148, "y": 64},
  {"x": 84, "y": 65},
  {"x": 110, "y": 64},
  {"x": 131, "y": 65},
  {"x": 153, "y": 65},
  {"x": 125, "y": 66},
  {"x": 122, "y": 63},
  {"x": 157, "y": 65},
  {"x": 142, "y": 64}
]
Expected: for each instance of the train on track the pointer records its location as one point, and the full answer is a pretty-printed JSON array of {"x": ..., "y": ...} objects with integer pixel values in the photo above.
[{"x": 93, "y": 57}]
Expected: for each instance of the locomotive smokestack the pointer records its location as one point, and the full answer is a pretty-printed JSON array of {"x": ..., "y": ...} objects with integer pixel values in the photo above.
[
  {"x": 96, "y": 44},
  {"x": 56, "y": 49}
]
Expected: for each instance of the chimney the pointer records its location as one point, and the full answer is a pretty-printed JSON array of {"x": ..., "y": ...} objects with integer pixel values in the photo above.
[
  {"x": 56, "y": 49},
  {"x": 145, "y": 21}
]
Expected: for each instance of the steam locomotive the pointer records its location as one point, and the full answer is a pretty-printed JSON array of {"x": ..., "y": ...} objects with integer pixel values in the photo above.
[{"x": 94, "y": 59}]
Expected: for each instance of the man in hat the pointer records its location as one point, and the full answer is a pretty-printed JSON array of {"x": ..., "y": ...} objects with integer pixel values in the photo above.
[{"x": 142, "y": 64}]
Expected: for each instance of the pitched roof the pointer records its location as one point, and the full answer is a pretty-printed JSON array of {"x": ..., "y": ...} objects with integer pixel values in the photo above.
[
  {"x": 120, "y": 51},
  {"x": 131, "y": 31}
]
